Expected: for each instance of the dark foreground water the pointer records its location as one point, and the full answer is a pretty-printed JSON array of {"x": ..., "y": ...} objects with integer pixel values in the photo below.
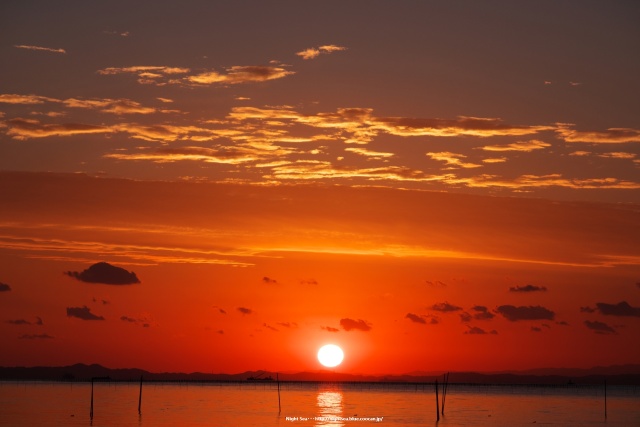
[{"x": 309, "y": 404}]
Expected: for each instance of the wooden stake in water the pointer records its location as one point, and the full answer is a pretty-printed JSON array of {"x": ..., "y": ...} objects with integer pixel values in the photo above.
[
  {"x": 278, "y": 381},
  {"x": 605, "y": 399},
  {"x": 140, "y": 397},
  {"x": 91, "y": 411},
  {"x": 445, "y": 385},
  {"x": 437, "y": 403}
]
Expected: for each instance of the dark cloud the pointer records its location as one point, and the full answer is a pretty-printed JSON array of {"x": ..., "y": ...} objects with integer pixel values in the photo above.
[
  {"x": 144, "y": 322},
  {"x": 445, "y": 307},
  {"x": 220, "y": 331},
  {"x": 587, "y": 310},
  {"x": 620, "y": 309},
  {"x": 269, "y": 327},
  {"x": 482, "y": 313},
  {"x": 329, "y": 329},
  {"x": 536, "y": 329},
  {"x": 4, "y": 287},
  {"x": 599, "y": 327},
  {"x": 537, "y": 312},
  {"x": 479, "y": 331},
  {"x": 38, "y": 322},
  {"x": 309, "y": 282},
  {"x": 245, "y": 310},
  {"x": 103, "y": 301},
  {"x": 35, "y": 337},
  {"x": 435, "y": 284},
  {"x": 465, "y": 317},
  {"x": 83, "y": 313},
  {"x": 19, "y": 322},
  {"x": 103, "y": 272},
  {"x": 562, "y": 323},
  {"x": 358, "y": 325},
  {"x": 416, "y": 318},
  {"x": 528, "y": 288},
  {"x": 288, "y": 324},
  {"x": 269, "y": 280}
]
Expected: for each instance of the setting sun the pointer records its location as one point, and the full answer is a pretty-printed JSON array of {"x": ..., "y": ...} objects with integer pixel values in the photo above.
[{"x": 330, "y": 355}]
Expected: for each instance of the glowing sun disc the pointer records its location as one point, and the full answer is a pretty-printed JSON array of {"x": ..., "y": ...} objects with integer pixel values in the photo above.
[{"x": 330, "y": 355}]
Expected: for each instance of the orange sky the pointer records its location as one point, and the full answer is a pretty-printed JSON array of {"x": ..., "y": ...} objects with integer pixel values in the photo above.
[
  {"x": 430, "y": 185},
  {"x": 236, "y": 277}
]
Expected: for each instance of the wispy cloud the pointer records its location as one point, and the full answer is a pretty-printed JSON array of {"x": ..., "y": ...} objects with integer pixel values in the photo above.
[
  {"x": 314, "y": 52},
  {"x": 526, "y": 146},
  {"x": 12, "y": 98},
  {"x": 35, "y": 337},
  {"x": 245, "y": 310},
  {"x": 37, "y": 322},
  {"x": 453, "y": 160},
  {"x": 143, "y": 321},
  {"x": 527, "y": 288},
  {"x": 445, "y": 307},
  {"x": 240, "y": 74},
  {"x": 40, "y": 48},
  {"x": 26, "y": 128},
  {"x": 474, "y": 330},
  {"x": 609, "y": 136},
  {"x": 422, "y": 319},
  {"x": 4, "y": 287}
]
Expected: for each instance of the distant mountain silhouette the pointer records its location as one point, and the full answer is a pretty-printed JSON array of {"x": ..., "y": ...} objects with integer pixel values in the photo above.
[{"x": 617, "y": 374}]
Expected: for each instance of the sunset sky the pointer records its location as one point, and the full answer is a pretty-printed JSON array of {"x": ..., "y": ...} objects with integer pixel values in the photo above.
[{"x": 223, "y": 186}]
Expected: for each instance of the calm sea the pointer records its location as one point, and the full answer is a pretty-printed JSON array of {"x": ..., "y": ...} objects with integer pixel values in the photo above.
[{"x": 309, "y": 404}]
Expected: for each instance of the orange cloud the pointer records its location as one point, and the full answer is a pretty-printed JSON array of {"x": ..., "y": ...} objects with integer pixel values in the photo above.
[
  {"x": 453, "y": 159},
  {"x": 618, "y": 155},
  {"x": 9, "y": 98},
  {"x": 24, "y": 129},
  {"x": 309, "y": 53},
  {"x": 610, "y": 136},
  {"x": 240, "y": 74},
  {"x": 40, "y": 48},
  {"x": 312, "y": 52},
  {"x": 495, "y": 160},
  {"x": 314, "y": 170},
  {"x": 368, "y": 153},
  {"x": 207, "y": 155},
  {"x": 526, "y": 146},
  {"x": 115, "y": 106},
  {"x": 551, "y": 180},
  {"x": 471, "y": 126}
]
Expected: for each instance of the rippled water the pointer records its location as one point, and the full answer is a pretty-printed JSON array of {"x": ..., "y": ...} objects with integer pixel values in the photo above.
[{"x": 311, "y": 404}]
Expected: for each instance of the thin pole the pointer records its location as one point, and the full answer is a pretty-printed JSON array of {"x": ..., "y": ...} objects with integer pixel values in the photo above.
[
  {"x": 605, "y": 399},
  {"x": 445, "y": 385},
  {"x": 437, "y": 403},
  {"x": 91, "y": 411},
  {"x": 278, "y": 380},
  {"x": 140, "y": 397}
]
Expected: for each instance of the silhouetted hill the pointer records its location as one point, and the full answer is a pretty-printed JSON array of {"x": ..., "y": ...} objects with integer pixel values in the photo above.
[{"x": 622, "y": 375}]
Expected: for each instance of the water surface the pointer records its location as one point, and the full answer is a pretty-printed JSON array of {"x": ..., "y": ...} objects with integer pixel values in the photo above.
[{"x": 311, "y": 404}]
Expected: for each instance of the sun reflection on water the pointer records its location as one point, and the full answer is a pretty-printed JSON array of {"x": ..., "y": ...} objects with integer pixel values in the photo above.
[{"x": 330, "y": 408}]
